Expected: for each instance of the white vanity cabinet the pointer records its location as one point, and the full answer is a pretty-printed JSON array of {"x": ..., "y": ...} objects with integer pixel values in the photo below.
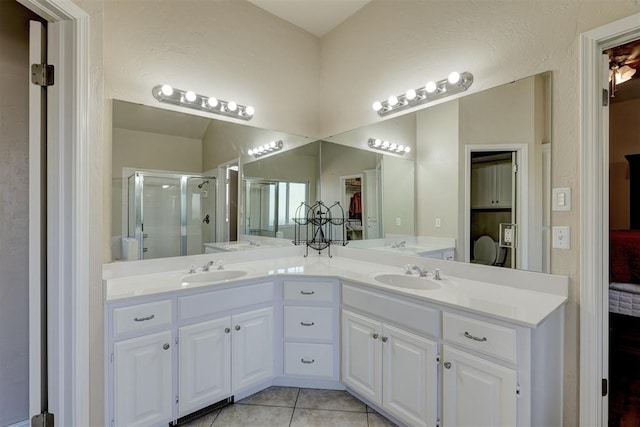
[
  {"x": 310, "y": 329},
  {"x": 384, "y": 361},
  {"x": 142, "y": 361},
  {"x": 499, "y": 374}
]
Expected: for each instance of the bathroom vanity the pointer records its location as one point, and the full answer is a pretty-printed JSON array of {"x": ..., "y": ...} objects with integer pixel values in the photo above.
[{"x": 424, "y": 352}]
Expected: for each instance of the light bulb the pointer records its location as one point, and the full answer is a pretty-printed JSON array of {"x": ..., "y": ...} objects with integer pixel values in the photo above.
[
  {"x": 407, "y": 149},
  {"x": 431, "y": 87},
  {"x": 260, "y": 149},
  {"x": 250, "y": 152},
  {"x": 400, "y": 148},
  {"x": 272, "y": 144},
  {"x": 393, "y": 147},
  {"x": 393, "y": 100},
  {"x": 411, "y": 94},
  {"x": 377, "y": 143},
  {"x": 454, "y": 78},
  {"x": 249, "y": 110},
  {"x": 166, "y": 90},
  {"x": 190, "y": 96},
  {"x": 232, "y": 106},
  {"x": 385, "y": 144},
  {"x": 212, "y": 102},
  {"x": 377, "y": 106}
]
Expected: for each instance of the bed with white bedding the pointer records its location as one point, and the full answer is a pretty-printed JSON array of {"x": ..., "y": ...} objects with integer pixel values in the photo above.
[{"x": 624, "y": 272}]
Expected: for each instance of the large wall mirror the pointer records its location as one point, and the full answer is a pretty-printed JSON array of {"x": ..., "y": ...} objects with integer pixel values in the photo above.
[{"x": 474, "y": 186}]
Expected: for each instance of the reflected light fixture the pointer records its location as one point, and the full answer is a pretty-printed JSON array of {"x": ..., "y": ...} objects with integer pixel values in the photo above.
[
  {"x": 391, "y": 147},
  {"x": 266, "y": 148},
  {"x": 454, "y": 83},
  {"x": 190, "y": 99}
]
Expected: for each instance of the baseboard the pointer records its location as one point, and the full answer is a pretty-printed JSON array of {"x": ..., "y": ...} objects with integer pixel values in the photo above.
[{"x": 24, "y": 423}]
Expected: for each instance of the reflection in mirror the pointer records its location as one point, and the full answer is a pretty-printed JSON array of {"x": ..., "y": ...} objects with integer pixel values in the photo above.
[
  {"x": 475, "y": 186},
  {"x": 176, "y": 185}
]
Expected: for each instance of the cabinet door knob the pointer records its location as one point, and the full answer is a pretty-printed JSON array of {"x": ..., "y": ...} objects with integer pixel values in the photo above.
[
  {"x": 384, "y": 339},
  {"x": 447, "y": 365},
  {"x": 166, "y": 346},
  {"x": 237, "y": 327},
  {"x": 227, "y": 330},
  {"x": 375, "y": 336}
]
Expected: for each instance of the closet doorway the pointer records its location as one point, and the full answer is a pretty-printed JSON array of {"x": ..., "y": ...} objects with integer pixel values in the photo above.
[{"x": 352, "y": 190}]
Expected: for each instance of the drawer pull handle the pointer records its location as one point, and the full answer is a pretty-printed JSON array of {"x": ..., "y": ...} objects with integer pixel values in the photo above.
[
  {"x": 384, "y": 339},
  {"x": 375, "y": 336},
  {"x": 308, "y": 361},
  {"x": 472, "y": 337},
  {"x": 447, "y": 365},
  {"x": 166, "y": 346},
  {"x": 142, "y": 319},
  {"x": 307, "y": 293},
  {"x": 307, "y": 324}
]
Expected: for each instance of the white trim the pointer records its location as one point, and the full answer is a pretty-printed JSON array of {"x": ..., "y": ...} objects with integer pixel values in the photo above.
[
  {"x": 522, "y": 201},
  {"x": 72, "y": 282},
  {"x": 593, "y": 216},
  {"x": 24, "y": 423}
]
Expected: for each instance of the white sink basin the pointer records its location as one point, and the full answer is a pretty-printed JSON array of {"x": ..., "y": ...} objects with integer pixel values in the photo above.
[
  {"x": 408, "y": 281},
  {"x": 213, "y": 276}
]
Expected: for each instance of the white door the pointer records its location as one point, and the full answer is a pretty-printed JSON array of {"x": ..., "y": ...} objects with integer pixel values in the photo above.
[
  {"x": 142, "y": 380},
  {"x": 252, "y": 341},
  {"x": 370, "y": 196},
  {"x": 482, "y": 185},
  {"x": 37, "y": 55},
  {"x": 362, "y": 355},
  {"x": 410, "y": 384},
  {"x": 204, "y": 364},
  {"x": 476, "y": 392},
  {"x": 505, "y": 182}
]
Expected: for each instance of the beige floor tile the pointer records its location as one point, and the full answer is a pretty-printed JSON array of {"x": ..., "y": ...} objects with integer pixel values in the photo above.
[
  {"x": 377, "y": 420},
  {"x": 273, "y": 396},
  {"x": 253, "y": 416},
  {"x": 323, "y": 418},
  {"x": 335, "y": 400}
]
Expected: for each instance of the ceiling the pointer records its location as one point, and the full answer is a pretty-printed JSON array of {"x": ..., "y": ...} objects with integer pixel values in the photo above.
[{"x": 315, "y": 16}]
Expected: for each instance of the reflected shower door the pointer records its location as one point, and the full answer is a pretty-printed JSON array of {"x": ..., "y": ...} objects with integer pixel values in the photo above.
[
  {"x": 160, "y": 218},
  {"x": 261, "y": 208}
]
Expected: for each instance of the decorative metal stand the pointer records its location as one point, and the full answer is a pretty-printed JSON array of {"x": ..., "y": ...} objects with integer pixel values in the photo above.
[{"x": 320, "y": 226}]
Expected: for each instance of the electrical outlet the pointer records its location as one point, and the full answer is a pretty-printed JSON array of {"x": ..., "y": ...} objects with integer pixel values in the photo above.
[
  {"x": 438, "y": 223},
  {"x": 398, "y": 221}
]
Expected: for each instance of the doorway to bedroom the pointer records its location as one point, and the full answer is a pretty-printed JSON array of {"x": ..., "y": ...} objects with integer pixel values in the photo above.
[{"x": 624, "y": 234}]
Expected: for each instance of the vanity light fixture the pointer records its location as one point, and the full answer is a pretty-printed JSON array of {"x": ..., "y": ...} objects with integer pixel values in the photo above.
[
  {"x": 454, "y": 83},
  {"x": 190, "y": 99},
  {"x": 379, "y": 144},
  {"x": 266, "y": 148}
]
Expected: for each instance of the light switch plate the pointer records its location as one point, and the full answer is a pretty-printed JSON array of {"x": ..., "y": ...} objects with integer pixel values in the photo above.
[
  {"x": 561, "y": 237},
  {"x": 561, "y": 199}
]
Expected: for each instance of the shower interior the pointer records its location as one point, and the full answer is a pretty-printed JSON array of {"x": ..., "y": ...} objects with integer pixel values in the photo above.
[{"x": 170, "y": 214}]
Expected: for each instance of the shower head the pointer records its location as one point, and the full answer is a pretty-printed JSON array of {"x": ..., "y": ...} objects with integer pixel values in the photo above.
[{"x": 202, "y": 183}]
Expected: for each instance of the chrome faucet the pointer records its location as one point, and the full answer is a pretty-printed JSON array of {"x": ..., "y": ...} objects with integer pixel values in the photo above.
[
  {"x": 421, "y": 272},
  {"x": 398, "y": 244},
  {"x": 436, "y": 274},
  {"x": 254, "y": 242},
  {"x": 208, "y": 265}
]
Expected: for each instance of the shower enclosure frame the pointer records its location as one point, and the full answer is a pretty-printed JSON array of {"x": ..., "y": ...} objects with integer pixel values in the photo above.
[{"x": 138, "y": 214}]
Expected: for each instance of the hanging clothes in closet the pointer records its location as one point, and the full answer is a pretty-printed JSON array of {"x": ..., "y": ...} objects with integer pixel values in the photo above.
[{"x": 355, "y": 206}]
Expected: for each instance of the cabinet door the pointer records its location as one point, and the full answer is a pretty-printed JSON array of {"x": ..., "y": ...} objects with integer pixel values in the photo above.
[
  {"x": 504, "y": 178},
  {"x": 410, "y": 381},
  {"x": 142, "y": 380},
  {"x": 204, "y": 364},
  {"x": 477, "y": 392},
  {"x": 252, "y": 342},
  {"x": 362, "y": 355},
  {"x": 483, "y": 185}
]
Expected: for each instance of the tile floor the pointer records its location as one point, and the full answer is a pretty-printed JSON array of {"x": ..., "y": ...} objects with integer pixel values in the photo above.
[{"x": 295, "y": 407}]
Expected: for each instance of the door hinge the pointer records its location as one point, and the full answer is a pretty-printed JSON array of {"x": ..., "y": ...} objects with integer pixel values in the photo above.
[
  {"x": 42, "y": 75},
  {"x": 515, "y": 168},
  {"x": 111, "y": 357},
  {"x": 605, "y": 97},
  {"x": 44, "y": 419},
  {"x": 518, "y": 390},
  {"x": 177, "y": 399},
  {"x": 438, "y": 359},
  {"x": 438, "y": 422},
  {"x": 176, "y": 341},
  {"x": 605, "y": 387}
]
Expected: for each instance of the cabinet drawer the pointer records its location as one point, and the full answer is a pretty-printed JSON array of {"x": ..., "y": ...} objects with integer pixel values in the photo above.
[
  {"x": 414, "y": 316},
  {"x": 482, "y": 336},
  {"x": 316, "y": 291},
  {"x": 308, "y": 322},
  {"x": 308, "y": 359},
  {"x": 210, "y": 303},
  {"x": 141, "y": 317}
]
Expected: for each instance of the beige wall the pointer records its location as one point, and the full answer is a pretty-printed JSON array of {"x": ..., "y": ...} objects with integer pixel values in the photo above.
[
  {"x": 624, "y": 138},
  {"x": 398, "y": 189}
]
